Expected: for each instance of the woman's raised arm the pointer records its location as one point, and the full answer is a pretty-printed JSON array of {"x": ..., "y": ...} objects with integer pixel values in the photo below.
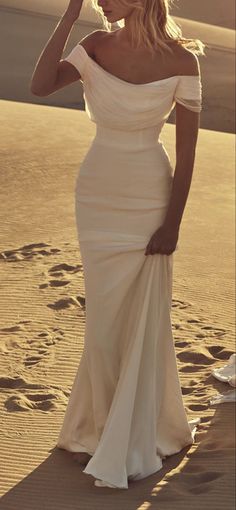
[{"x": 44, "y": 80}]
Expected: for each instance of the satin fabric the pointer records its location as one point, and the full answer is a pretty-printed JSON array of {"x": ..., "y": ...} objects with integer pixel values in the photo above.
[{"x": 126, "y": 407}]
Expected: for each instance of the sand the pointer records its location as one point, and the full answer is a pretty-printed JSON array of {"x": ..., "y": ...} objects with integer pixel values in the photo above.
[
  {"x": 218, "y": 73},
  {"x": 52, "y": 8},
  {"x": 43, "y": 317},
  {"x": 214, "y": 12}
]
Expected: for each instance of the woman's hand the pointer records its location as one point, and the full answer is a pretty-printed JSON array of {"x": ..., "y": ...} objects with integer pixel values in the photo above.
[
  {"x": 73, "y": 9},
  {"x": 163, "y": 241}
]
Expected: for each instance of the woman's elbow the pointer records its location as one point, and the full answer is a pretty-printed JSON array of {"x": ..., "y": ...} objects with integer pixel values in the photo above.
[{"x": 37, "y": 91}]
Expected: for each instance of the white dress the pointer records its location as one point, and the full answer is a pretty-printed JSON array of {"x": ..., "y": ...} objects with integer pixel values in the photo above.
[{"x": 126, "y": 407}]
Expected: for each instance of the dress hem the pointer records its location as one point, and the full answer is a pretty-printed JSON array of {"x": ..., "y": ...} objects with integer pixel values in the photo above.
[{"x": 82, "y": 449}]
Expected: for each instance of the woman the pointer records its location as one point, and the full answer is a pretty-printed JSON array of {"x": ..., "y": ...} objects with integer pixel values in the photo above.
[{"x": 126, "y": 410}]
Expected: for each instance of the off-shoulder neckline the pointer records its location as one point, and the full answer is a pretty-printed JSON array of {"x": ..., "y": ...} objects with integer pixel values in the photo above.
[{"x": 135, "y": 84}]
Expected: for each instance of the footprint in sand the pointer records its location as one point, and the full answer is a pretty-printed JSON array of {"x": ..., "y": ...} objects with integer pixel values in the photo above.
[
  {"x": 186, "y": 390},
  {"x": 81, "y": 300},
  {"x": 193, "y": 382},
  {"x": 28, "y": 401},
  {"x": 198, "y": 407},
  {"x": 28, "y": 252},
  {"x": 38, "y": 348},
  {"x": 183, "y": 319},
  {"x": 219, "y": 352},
  {"x": 199, "y": 357},
  {"x": 195, "y": 388},
  {"x": 34, "y": 360},
  {"x": 194, "y": 321},
  {"x": 65, "y": 268},
  {"x": 59, "y": 275},
  {"x": 12, "y": 329},
  {"x": 200, "y": 483},
  {"x": 181, "y": 344},
  {"x": 191, "y": 368},
  {"x": 31, "y": 395},
  {"x": 181, "y": 305},
  {"x": 54, "y": 283},
  {"x": 205, "y": 331},
  {"x": 47, "y": 335},
  {"x": 6, "y": 343},
  {"x": 68, "y": 302},
  {"x": 188, "y": 331},
  {"x": 206, "y": 419},
  {"x": 41, "y": 348},
  {"x": 8, "y": 382},
  {"x": 217, "y": 445}
]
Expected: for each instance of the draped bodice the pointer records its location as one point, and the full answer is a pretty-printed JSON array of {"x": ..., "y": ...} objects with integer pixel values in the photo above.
[{"x": 117, "y": 104}]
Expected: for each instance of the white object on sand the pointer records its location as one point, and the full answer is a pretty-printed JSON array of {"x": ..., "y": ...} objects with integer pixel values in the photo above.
[
  {"x": 229, "y": 396},
  {"x": 227, "y": 374}
]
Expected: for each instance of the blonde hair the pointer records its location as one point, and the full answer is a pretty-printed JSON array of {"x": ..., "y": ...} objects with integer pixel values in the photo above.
[{"x": 153, "y": 26}]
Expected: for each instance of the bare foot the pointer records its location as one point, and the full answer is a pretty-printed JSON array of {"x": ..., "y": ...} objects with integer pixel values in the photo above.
[
  {"x": 101, "y": 483},
  {"x": 82, "y": 457}
]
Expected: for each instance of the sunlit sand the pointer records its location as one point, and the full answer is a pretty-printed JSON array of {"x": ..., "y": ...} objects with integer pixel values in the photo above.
[{"x": 43, "y": 317}]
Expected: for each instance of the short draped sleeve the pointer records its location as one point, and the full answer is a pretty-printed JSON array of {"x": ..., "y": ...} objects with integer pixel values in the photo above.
[
  {"x": 189, "y": 92},
  {"x": 78, "y": 58}
]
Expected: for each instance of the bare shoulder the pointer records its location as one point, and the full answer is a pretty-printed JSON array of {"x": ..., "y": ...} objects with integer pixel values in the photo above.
[
  {"x": 186, "y": 61},
  {"x": 90, "y": 41}
]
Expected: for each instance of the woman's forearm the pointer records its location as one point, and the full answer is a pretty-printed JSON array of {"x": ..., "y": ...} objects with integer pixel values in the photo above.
[
  {"x": 45, "y": 72},
  {"x": 180, "y": 191}
]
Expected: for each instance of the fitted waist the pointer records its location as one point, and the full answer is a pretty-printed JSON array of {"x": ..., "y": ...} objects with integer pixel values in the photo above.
[{"x": 138, "y": 139}]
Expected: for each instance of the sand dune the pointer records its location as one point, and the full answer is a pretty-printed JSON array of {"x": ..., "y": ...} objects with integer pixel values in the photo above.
[
  {"x": 43, "y": 316},
  {"x": 52, "y": 8},
  {"x": 218, "y": 74},
  {"x": 213, "y": 37},
  {"x": 213, "y": 12}
]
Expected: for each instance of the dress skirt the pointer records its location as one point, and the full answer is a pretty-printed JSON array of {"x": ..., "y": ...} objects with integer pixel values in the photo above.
[{"x": 126, "y": 407}]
